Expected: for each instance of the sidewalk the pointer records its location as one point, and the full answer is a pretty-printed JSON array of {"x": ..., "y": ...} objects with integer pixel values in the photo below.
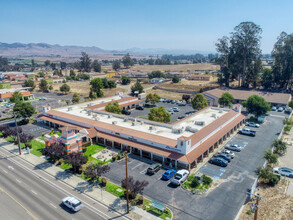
[{"x": 81, "y": 185}]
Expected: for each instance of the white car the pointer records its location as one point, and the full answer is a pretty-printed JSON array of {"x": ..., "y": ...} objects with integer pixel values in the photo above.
[
  {"x": 280, "y": 109},
  {"x": 283, "y": 171},
  {"x": 72, "y": 203},
  {"x": 252, "y": 124},
  {"x": 180, "y": 177},
  {"x": 170, "y": 111},
  {"x": 274, "y": 108},
  {"x": 229, "y": 153}
]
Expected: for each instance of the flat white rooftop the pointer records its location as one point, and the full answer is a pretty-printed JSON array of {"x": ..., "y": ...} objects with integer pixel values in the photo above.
[{"x": 185, "y": 127}]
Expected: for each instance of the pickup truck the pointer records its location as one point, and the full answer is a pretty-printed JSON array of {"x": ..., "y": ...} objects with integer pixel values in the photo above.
[{"x": 247, "y": 131}]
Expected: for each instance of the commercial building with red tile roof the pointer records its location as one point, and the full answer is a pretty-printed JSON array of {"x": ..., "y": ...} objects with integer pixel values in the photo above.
[
  {"x": 182, "y": 144},
  {"x": 6, "y": 94},
  {"x": 275, "y": 99}
]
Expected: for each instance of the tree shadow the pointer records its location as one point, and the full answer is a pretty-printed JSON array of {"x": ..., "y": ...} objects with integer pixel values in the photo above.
[
  {"x": 43, "y": 166},
  {"x": 62, "y": 175},
  {"x": 84, "y": 187}
]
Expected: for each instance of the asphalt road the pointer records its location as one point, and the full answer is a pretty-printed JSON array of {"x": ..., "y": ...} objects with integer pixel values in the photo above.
[
  {"x": 226, "y": 199},
  {"x": 39, "y": 194}
]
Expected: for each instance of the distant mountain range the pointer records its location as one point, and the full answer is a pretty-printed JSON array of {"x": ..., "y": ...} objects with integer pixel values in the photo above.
[{"x": 21, "y": 50}]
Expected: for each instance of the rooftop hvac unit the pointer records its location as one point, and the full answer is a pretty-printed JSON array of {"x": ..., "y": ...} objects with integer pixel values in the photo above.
[
  {"x": 89, "y": 113},
  {"x": 97, "y": 119},
  {"x": 177, "y": 130},
  {"x": 199, "y": 123},
  {"x": 90, "y": 104},
  {"x": 114, "y": 122},
  {"x": 191, "y": 129},
  {"x": 220, "y": 111},
  {"x": 133, "y": 123},
  {"x": 152, "y": 128},
  {"x": 69, "y": 108},
  {"x": 214, "y": 115},
  {"x": 125, "y": 119},
  {"x": 109, "y": 116}
]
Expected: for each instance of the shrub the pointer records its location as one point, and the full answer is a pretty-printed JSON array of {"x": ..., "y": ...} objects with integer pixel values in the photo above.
[
  {"x": 273, "y": 179},
  {"x": 195, "y": 182},
  {"x": 113, "y": 158},
  {"x": 133, "y": 203},
  {"x": 139, "y": 200},
  {"x": 118, "y": 157},
  {"x": 29, "y": 145},
  {"x": 104, "y": 182},
  {"x": 207, "y": 180}
]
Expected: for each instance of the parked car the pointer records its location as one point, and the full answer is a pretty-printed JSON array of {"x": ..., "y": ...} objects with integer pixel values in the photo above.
[
  {"x": 161, "y": 100},
  {"x": 181, "y": 104},
  {"x": 223, "y": 156},
  {"x": 171, "y": 111},
  {"x": 227, "y": 152},
  {"x": 280, "y": 109},
  {"x": 284, "y": 171},
  {"x": 182, "y": 116},
  {"x": 168, "y": 174},
  {"x": 154, "y": 168},
  {"x": 180, "y": 177},
  {"x": 72, "y": 203},
  {"x": 247, "y": 131},
  {"x": 288, "y": 110},
  {"x": 233, "y": 148},
  {"x": 252, "y": 124},
  {"x": 274, "y": 108},
  {"x": 175, "y": 109},
  {"x": 42, "y": 98},
  {"x": 168, "y": 100},
  {"x": 218, "y": 161},
  {"x": 173, "y": 102},
  {"x": 138, "y": 107},
  {"x": 126, "y": 112}
]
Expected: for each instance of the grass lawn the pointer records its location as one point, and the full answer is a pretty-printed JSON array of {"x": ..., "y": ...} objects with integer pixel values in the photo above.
[
  {"x": 188, "y": 185},
  {"x": 37, "y": 148},
  {"x": 93, "y": 149},
  {"x": 65, "y": 166},
  {"x": 9, "y": 139},
  {"x": 145, "y": 117},
  {"x": 149, "y": 208},
  {"x": 112, "y": 188},
  {"x": 1, "y": 133}
]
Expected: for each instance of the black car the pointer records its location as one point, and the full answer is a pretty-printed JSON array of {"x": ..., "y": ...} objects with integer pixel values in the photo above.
[
  {"x": 218, "y": 161},
  {"x": 126, "y": 112},
  {"x": 154, "y": 168},
  {"x": 182, "y": 116},
  {"x": 139, "y": 107},
  {"x": 169, "y": 100},
  {"x": 223, "y": 156}
]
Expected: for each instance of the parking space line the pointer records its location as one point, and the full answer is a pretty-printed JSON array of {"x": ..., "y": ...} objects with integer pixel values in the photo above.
[
  {"x": 216, "y": 177},
  {"x": 143, "y": 171},
  {"x": 136, "y": 166}
]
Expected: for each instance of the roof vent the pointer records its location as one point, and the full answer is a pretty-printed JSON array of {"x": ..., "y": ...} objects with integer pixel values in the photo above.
[
  {"x": 199, "y": 123},
  {"x": 152, "y": 128},
  {"x": 133, "y": 123},
  {"x": 109, "y": 116},
  {"x": 114, "y": 122},
  {"x": 214, "y": 115},
  {"x": 220, "y": 111},
  {"x": 69, "y": 109},
  {"x": 97, "y": 118},
  {"x": 191, "y": 129},
  {"x": 125, "y": 119}
]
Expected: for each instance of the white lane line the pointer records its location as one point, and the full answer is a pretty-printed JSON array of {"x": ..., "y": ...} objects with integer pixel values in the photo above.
[
  {"x": 18, "y": 180},
  {"x": 143, "y": 171},
  {"x": 34, "y": 192},
  {"x": 136, "y": 166},
  {"x": 93, "y": 209},
  {"x": 53, "y": 205},
  {"x": 11, "y": 167},
  {"x": 4, "y": 171}
]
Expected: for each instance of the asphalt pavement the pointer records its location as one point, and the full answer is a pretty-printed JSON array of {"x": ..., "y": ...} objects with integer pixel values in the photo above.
[{"x": 40, "y": 194}]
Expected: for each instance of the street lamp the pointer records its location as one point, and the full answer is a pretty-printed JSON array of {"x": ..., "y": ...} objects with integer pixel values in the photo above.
[{"x": 18, "y": 140}]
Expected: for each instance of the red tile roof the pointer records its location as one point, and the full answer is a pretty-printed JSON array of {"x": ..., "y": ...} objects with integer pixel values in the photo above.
[{"x": 63, "y": 123}]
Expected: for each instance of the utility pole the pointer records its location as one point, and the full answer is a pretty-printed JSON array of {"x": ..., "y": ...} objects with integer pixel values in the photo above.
[
  {"x": 256, "y": 206},
  {"x": 18, "y": 140},
  {"x": 127, "y": 196}
]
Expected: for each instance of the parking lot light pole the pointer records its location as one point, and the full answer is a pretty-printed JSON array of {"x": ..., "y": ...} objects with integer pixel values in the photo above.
[
  {"x": 18, "y": 140},
  {"x": 127, "y": 196},
  {"x": 256, "y": 205}
]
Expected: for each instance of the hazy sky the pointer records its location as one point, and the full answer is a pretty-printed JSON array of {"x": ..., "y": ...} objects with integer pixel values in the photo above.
[{"x": 113, "y": 24}]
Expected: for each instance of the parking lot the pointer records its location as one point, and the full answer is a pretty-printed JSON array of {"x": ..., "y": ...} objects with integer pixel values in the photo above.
[
  {"x": 36, "y": 129},
  {"x": 233, "y": 181},
  {"x": 174, "y": 116}
]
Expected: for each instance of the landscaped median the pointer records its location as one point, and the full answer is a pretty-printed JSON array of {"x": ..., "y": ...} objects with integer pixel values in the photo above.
[{"x": 198, "y": 184}]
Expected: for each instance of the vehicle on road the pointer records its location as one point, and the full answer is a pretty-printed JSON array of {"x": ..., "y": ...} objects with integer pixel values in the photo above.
[
  {"x": 180, "y": 177},
  {"x": 274, "y": 108},
  {"x": 280, "y": 109},
  {"x": 288, "y": 110},
  {"x": 139, "y": 107},
  {"x": 247, "y": 131},
  {"x": 154, "y": 168},
  {"x": 126, "y": 112},
  {"x": 227, "y": 152},
  {"x": 168, "y": 174},
  {"x": 218, "y": 161},
  {"x": 233, "y": 147},
  {"x": 252, "y": 124},
  {"x": 72, "y": 203},
  {"x": 284, "y": 171},
  {"x": 223, "y": 156}
]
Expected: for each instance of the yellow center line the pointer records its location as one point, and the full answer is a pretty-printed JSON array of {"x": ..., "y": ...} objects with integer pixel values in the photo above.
[{"x": 28, "y": 212}]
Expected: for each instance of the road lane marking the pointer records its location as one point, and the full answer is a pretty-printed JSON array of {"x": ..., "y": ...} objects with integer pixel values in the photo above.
[
  {"x": 93, "y": 209},
  {"x": 11, "y": 167},
  {"x": 53, "y": 205},
  {"x": 4, "y": 171},
  {"x": 28, "y": 212},
  {"x": 34, "y": 192},
  {"x": 18, "y": 180}
]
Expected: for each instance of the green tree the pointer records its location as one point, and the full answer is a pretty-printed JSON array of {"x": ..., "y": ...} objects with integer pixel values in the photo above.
[
  {"x": 92, "y": 94},
  {"x": 96, "y": 66},
  {"x": 63, "y": 65},
  {"x": 41, "y": 74},
  {"x": 199, "y": 101},
  {"x": 97, "y": 86},
  {"x": 65, "y": 88},
  {"x": 113, "y": 107},
  {"x": 267, "y": 78},
  {"x": 16, "y": 97},
  {"x": 153, "y": 98},
  {"x": 105, "y": 83},
  {"x": 47, "y": 63},
  {"x": 72, "y": 73},
  {"x": 271, "y": 157},
  {"x": 116, "y": 65},
  {"x": 111, "y": 84},
  {"x": 280, "y": 147},
  {"x": 267, "y": 176},
  {"x": 75, "y": 98},
  {"x": 29, "y": 83},
  {"x": 175, "y": 79},
  {"x": 290, "y": 104},
  {"x": 50, "y": 87},
  {"x": 85, "y": 62},
  {"x": 256, "y": 105},
  {"x": 159, "y": 114},
  {"x": 76, "y": 159},
  {"x": 23, "y": 110},
  {"x": 43, "y": 85},
  {"x": 226, "y": 99},
  {"x": 125, "y": 80},
  {"x": 137, "y": 87},
  {"x": 156, "y": 74},
  {"x": 127, "y": 61}
]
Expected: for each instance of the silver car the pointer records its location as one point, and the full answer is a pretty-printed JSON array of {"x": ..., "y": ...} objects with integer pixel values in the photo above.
[
  {"x": 283, "y": 171},
  {"x": 72, "y": 203}
]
